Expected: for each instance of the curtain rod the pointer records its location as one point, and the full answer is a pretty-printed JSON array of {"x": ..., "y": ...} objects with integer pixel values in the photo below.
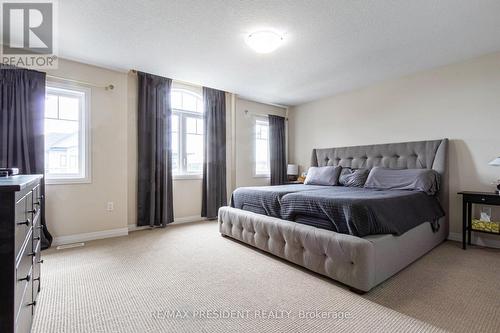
[
  {"x": 106, "y": 87},
  {"x": 134, "y": 71},
  {"x": 248, "y": 114}
]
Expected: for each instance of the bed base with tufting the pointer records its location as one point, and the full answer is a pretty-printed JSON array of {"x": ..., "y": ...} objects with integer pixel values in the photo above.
[{"x": 360, "y": 263}]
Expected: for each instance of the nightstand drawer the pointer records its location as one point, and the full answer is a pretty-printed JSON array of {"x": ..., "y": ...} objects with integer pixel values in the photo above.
[{"x": 483, "y": 199}]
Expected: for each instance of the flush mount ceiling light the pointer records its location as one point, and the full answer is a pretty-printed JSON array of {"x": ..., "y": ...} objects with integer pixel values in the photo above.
[{"x": 264, "y": 41}]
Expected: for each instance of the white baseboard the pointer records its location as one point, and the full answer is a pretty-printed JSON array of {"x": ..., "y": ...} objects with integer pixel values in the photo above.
[
  {"x": 476, "y": 240},
  {"x": 189, "y": 219},
  {"x": 88, "y": 236},
  {"x": 179, "y": 220},
  {"x": 135, "y": 227}
]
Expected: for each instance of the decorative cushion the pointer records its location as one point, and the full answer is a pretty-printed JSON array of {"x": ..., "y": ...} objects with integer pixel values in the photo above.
[
  {"x": 353, "y": 178},
  {"x": 328, "y": 175},
  {"x": 424, "y": 180}
]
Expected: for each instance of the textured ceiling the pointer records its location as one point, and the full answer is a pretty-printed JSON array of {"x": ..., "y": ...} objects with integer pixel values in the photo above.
[{"x": 331, "y": 45}]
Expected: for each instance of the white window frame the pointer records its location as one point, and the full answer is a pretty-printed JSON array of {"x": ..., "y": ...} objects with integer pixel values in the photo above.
[
  {"x": 261, "y": 119},
  {"x": 84, "y": 177},
  {"x": 183, "y": 114}
]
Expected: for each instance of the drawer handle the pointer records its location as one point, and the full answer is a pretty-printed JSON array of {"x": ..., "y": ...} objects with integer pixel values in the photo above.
[
  {"x": 36, "y": 279},
  {"x": 37, "y": 203},
  {"x": 32, "y": 304},
  {"x": 34, "y": 211},
  {"x": 40, "y": 261},
  {"x": 40, "y": 198},
  {"x": 36, "y": 238},
  {"x": 27, "y": 278},
  {"x": 27, "y": 222},
  {"x": 31, "y": 254},
  {"x": 483, "y": 199}
]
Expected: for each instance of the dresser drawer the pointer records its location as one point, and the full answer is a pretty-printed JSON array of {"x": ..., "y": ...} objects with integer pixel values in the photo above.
[
  {"x": 25, "y": 311},
  {"x": 37, "y": 226},
  {"x": 37, "y": 197},
  {"x": 24, "y": 273},
  {"x": 23, "y": 221},
  {"x": 36, "y": 268}
]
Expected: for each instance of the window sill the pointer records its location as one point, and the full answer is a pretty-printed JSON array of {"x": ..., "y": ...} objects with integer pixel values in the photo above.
[
  {"x": 261, "y": 176},
  {"x": 67, "y": 181},
  {"x": 186, "y": 177}
]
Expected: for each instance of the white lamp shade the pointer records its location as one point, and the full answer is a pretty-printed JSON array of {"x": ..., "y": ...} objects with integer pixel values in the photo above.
[
  {"x": 292, "y": 170},
  {"x": 495, "y": 162}
]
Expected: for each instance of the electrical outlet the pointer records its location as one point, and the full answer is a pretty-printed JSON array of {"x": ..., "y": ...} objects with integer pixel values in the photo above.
[{"x": 110, "y": 207}]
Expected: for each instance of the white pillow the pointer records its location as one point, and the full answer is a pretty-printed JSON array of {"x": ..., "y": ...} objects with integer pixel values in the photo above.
[{"x": 328, "y": 175}]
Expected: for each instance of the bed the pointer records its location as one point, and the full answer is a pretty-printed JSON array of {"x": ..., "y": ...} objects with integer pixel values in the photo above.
[{"x": 359, "y": 259}]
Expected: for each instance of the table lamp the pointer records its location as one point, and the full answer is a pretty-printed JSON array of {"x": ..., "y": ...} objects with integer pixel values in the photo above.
[
  {"x": 496, "y": 162},
  {"x": 293, "y": 171}
]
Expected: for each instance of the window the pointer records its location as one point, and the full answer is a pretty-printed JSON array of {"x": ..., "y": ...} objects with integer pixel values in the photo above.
[
  {"x": 262, "y": 165},
  {"x": 66, "y": 134},
  {"x": 187, "y": 133}
]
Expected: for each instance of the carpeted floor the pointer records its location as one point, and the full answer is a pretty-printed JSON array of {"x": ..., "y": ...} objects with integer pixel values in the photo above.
[{"x": 186, "y": 277}]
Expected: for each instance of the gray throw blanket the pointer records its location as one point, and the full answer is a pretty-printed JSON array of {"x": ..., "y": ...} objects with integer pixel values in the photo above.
[
  {"x": 266, "y": 199},
  {"x": 360, "y": 211}
]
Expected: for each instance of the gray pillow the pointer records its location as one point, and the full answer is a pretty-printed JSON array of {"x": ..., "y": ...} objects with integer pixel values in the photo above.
[
  {"x": 353, "y": 177},
  {"x": 328, "y": 175},
  {"x": 424, "y": 180}
]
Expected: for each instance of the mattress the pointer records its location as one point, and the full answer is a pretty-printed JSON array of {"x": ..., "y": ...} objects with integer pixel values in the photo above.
[
  {"x": 266, "y": 200},
  {"x": 361, "y": 212}
]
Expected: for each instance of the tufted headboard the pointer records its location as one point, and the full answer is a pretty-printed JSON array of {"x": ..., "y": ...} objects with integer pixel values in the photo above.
[{"x": 404, "y": 155}]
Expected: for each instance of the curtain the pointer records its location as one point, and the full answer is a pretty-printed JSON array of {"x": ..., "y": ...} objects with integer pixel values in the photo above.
[
  {"x": 22, "y": 101},
  {"x": 154, "y": 197},
  {"x": 214, "y": 193},
  {"x": 277, "y": 149}
]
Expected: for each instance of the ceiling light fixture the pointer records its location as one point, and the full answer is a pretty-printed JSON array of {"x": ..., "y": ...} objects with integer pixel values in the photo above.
[{"x": 264, "y": 41}]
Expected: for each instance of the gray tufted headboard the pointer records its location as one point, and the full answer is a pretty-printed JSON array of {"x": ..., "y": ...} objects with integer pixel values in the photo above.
[{"x": 404, "y": 155}]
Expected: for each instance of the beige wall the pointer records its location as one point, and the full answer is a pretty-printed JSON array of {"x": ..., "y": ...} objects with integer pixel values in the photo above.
[
  {"x": 245, "y": 138},
  {"x": 81, "y": 208},
  {"x": 460, "y": 102}
]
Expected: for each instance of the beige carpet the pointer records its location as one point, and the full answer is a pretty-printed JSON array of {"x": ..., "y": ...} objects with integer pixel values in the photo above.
[{"x": 185, "y": 277}]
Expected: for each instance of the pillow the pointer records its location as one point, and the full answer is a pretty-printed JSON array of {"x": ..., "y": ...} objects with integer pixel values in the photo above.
[
  {"x": 423, "y": 180},
  {"x": 353, "y": 177},
  {"x": 328, "y": 175}
]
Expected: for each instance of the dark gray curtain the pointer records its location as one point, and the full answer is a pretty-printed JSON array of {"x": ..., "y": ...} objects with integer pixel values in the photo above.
[
  {"x": 214, "y": 152},
  {"x": 277, "y": 149},
  {"x": 22, "y": 101},
  {"x": 154, "y": 197}
]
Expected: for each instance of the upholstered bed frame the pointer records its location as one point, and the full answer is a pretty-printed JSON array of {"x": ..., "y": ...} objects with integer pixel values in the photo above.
[{"x": 360, "y": 263}]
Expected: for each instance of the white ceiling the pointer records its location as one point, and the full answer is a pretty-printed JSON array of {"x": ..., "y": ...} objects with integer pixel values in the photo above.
[{"x": 331, "y": 45}]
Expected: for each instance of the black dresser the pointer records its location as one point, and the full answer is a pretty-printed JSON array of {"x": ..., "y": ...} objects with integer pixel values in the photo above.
[{"x": 20, "y": 230}]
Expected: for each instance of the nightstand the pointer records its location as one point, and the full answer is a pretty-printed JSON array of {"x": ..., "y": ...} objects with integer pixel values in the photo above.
[{"x": 469, "y": 198}]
